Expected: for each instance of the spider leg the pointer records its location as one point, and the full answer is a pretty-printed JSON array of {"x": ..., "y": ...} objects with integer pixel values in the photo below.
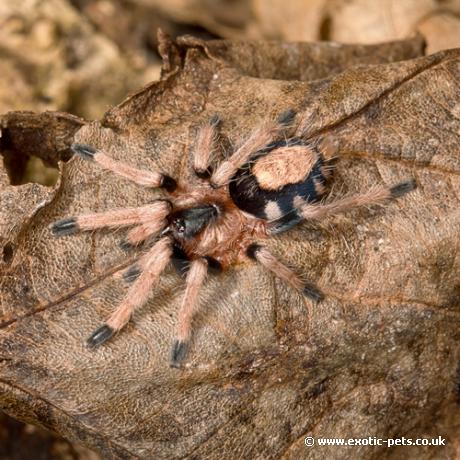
[
  {"x": 154, "y": 262},
  {"x": 265, "y": 133},
  {"x": 134, "y": 271},
  {"x": 139, "y": 176},
  {"x": 190, "y": 305},
  {"x": 139, "y": 234},
  {"x": 152, "y": 214},
  {"x": 204, "y": 147},
  {"x": 271, "y": 263},
  {"x": 377, "y": 195}
]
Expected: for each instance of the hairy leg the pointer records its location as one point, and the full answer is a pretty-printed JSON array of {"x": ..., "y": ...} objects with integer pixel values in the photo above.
[
  {"x": 204, "y": 146},
  {"x": 195, "y": 278},
  {"x": 265, "y": 133},
  {"x": 271, "y": 263},
  {"x": 155, "y": 212},
  {"x": 377, "y": 195},
  {"x": 142, "y": 232},
  {"x": 153, "y": 263},
  {"x": 139, "y": 176}
]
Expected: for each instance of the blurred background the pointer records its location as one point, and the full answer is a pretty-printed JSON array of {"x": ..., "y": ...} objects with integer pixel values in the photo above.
[{"x": 83, "y": 56}]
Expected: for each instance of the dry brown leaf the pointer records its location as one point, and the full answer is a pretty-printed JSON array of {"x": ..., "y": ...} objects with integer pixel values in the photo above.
[{"x": 379, "y": 357}]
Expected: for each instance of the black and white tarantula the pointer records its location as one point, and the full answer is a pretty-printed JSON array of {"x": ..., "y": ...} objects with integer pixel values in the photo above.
[{"x": 271, "y": 183}]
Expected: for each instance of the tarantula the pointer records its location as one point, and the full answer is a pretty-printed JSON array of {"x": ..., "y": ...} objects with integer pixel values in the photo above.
[{"x": 270, "y": 183}]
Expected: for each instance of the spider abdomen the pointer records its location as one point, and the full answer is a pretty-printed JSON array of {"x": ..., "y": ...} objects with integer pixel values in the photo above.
[{"x": 278, "y": 179}]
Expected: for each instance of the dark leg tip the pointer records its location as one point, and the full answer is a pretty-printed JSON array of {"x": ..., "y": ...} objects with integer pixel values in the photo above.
[
  {"x": 126, "y": 245},
  {"x": 287, "y": 117},
  {"x": 251, "y": 250},
  {"x": 131, "y": 274},
  {"x": 214, "y": 266},
  {"x": 63, "y": 227},
  {"x": 85, "y": 151},
  {"x": 100, "y": 336},
  {"x": 313, "y": 293},
  {"x": 215, "y": 120},
  {"x": 203, "y": 174},
  {"x": 403, "y": 188},
  {"x": 285, "y": 223},
  {"x": 180, "y": 261},
  {"x": 168, "y": 183},
  {"x": 178, "y": 352}
]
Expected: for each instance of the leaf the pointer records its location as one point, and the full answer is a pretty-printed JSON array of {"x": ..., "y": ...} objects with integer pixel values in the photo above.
[{"x": 378, "y": 357}]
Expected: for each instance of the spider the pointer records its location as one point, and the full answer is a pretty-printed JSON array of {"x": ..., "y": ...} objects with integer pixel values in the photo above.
[{"x": 271, "y": 183}]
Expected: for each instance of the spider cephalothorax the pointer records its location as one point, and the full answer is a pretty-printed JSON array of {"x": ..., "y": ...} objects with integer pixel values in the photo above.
[{"x": 269, "y": 184}]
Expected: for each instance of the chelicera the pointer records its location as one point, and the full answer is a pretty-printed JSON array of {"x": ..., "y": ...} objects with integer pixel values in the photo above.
[{"x": 269, "y": 184}]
